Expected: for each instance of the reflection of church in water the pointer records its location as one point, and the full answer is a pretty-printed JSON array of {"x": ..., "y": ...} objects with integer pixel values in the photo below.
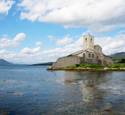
[{"x": 89, "y": 87}]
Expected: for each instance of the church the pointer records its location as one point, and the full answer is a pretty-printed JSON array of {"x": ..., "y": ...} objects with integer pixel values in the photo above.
[{"x": 90, "y": 54}]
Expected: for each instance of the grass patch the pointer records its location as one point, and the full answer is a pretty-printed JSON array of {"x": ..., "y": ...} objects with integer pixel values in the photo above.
[
  {"x": 96, "y": 66},
  {"x": 93, "y": 66},
  {"x": 90, "y": 66},
  {"x": 118, "y": 65}
]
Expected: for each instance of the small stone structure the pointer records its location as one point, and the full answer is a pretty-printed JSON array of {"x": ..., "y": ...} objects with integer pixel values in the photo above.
[{"x": 91, "y": 54}]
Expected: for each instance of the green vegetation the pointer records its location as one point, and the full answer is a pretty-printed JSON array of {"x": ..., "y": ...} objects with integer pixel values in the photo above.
[
  {"x": 97, "y": 66},
  {"x": 116, "y": 66},
  {"x": 122, "y": 61},
  {"x": 118, "y": 63},
  {"x": 85, "y": 67},
  {"x": 118, "y": 57}
]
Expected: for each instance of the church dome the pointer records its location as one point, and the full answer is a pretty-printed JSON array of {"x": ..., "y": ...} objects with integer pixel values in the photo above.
[{"x": 98, "y": 48}]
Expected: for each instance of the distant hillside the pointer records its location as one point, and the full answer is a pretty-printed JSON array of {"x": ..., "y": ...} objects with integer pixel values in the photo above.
[
  {"x": 120, "y": 55},
  {"x": 43, "y": 64},
  {"x": 5, "y": 63}
]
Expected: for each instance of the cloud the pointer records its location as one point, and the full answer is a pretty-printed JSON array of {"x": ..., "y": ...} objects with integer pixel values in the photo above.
[
  {"x": 25, "y": 55},
  {"x": 6, "y": 42},
  {"x": 112, "y": 45},
  {"x": 38, "y": 43},
  {"x": 37, "y": 54},
  {"x": 109, "y": 44},
  {"x": 30, "y": 51},
  {"x": 65, "y": 41},
  {"x": 61, "y": 41},
  {"x": 5, "y": 6},
  {"x": 97, "y": 15}
]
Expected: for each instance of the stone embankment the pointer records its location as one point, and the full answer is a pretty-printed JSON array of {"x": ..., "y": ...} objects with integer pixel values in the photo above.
[{"x": 87, "y": 69}]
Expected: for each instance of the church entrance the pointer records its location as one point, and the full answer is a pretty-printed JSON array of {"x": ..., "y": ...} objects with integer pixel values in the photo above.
[{"x": 99, "y": 62}]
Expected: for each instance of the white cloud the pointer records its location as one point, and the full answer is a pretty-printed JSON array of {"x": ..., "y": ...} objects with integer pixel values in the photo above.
[
  {"x": 98, "y": 15},
  {"x": 51, "y": 37},
  {"x": 20, "y": 37},
  {"x": 6, "y": 42},
  {"x": 37, "y": 54},
  {"x": 30, "y": 51},
  {"x": 112, "y": 45},
  {"x": 38, "y": 43},
  {"x": 65, "y": 41},
  {"x": 61, "y": 41},
  {"x": 109, "y": 44},
  {"x": 5, "y": 6}
]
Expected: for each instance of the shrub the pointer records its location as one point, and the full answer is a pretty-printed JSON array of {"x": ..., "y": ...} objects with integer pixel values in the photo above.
[
  {"x": 122, "y": 61},
  {"x": 89, "y": 65}
]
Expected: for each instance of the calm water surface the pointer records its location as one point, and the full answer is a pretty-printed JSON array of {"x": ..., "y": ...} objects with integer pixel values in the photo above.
[{"x": 32, "y": 90}]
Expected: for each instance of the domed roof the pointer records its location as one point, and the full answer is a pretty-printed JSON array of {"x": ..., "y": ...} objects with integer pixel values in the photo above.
[{"x": 97, "y": 46}]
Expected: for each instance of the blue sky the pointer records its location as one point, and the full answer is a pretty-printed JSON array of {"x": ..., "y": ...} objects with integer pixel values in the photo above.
[{"x": 34, "y": 31}]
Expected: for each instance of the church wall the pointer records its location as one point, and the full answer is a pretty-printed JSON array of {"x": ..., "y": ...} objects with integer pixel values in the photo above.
[
  {"x": 91, "y": 57},
  {"x": 98, "y": 49},
  {"x": 66, "y": 61},
  {"x": 107, "y": 60}
]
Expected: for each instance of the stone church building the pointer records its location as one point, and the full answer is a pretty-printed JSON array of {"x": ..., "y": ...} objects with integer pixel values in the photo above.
[{"x": 91, "y": 54}]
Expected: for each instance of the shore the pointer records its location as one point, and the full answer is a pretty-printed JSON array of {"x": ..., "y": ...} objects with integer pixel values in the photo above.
[
  {"x": 86, "y": 69},
  {"x": 91, "y": 67}
]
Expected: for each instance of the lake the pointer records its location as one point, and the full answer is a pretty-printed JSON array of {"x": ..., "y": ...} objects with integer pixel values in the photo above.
[{"x": 32, "y": 90}]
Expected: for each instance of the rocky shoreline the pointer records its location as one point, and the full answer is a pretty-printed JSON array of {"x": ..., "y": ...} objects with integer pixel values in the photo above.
[{"x": 86, "y": 69}]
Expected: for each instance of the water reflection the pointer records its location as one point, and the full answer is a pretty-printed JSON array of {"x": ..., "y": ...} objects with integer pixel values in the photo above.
[
  {"x": 89, "y": 87},
  {"x": 90, "y": 92},
  {"x": 89, "y": 83},
  {"x": 35, "y": 91}
]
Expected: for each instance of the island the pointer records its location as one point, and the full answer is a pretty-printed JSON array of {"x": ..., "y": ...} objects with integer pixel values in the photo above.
[{"x": 90, "y": 58}]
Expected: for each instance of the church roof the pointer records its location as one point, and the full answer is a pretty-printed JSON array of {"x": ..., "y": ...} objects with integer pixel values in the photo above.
[
  {"x": 81, "y": 51},
  {"x": 78, "y": 52},
  {"x": 97, "y": 46}
]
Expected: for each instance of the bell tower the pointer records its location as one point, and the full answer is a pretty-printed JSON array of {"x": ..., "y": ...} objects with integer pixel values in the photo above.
[{"x": 88, "y": 41}]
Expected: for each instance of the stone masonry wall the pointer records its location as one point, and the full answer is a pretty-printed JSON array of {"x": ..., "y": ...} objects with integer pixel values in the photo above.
[{"x": 66, "y": 61}]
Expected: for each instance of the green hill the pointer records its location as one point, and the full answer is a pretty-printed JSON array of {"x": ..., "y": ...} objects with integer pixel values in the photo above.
[{"x": 120, "y": 55}]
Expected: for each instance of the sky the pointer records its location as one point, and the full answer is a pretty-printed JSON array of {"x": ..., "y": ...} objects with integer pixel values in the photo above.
[{"x": 35, "y": 31}]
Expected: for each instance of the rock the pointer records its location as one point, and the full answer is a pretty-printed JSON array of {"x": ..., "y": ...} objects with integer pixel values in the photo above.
[{"x": 107, "y": 107}]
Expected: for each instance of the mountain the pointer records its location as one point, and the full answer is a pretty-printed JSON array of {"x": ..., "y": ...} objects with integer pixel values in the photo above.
[
  {"x": 120, "y": 55},
  {"x": 5, "y": 63},
  {"x": 43, "y": 64}
]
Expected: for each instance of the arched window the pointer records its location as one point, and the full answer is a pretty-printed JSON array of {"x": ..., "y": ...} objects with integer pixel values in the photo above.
[
  {"x": 92, "y": 55},
  {"x": 83, "y": 54},
  {"x": 89, "y": 55}
]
